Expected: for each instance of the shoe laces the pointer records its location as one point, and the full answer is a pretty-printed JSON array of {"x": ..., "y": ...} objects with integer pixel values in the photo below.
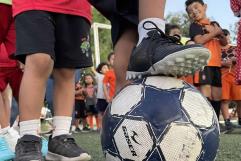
[
  {"x": 30, "y": 146},
  {"x": 158, "y": 37},
  {"x": 69, "y": 141}
]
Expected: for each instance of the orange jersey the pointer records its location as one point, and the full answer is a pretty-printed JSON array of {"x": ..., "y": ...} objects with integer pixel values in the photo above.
[
  {"x": 110, "y": 79},
  {"x": 198, "y": 28}
]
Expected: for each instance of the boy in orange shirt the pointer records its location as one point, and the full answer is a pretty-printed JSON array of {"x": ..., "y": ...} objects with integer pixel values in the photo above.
[
  {"x": 203, "y": 31},
  {"x": 109, "y": 81}
]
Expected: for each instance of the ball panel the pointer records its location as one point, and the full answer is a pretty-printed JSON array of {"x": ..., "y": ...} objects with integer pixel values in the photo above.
[
  {"x": 164, "y": 82},
  {"x": 133, "y": 139},
  {"x": 181, "y": 142},
  {"x": 126, "y": 99},
  {"x": 159, "y": 107},
  {"x": 110, "y": 157},
  {"x": 199, "y": 110}
]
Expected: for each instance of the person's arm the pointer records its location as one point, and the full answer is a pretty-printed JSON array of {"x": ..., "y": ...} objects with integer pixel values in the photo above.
[
  {"x": 227, "y": 62},
  {"x": 212, "y": 31},
  {"x": 105, "y": 88}
]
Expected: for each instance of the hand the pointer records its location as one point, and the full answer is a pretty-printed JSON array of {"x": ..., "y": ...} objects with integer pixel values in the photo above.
[
  {"x": 108, "y": 99},
  {"x": 213, "y": 29}
]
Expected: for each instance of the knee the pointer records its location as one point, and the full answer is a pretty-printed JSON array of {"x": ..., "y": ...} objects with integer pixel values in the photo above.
[
  {"x": 40, "y": 64},
  {"x": 64, "y": 74}
]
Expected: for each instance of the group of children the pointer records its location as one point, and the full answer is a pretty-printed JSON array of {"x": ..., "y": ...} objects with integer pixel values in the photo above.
[
  {"x": 93, "y": 92},
  {"x": 52, "y": 38},
  {"x": 216, "y": 81}
]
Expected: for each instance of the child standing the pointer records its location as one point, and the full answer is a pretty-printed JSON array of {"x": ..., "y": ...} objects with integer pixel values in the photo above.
[
  {"x": 90, "y": 88},
  {"x": 52, "y": 37},
  {"x": 230, "y": 90},
  {"x": 109, "y": 81},
  {"x": 202, "y": 31},
  {"x": 80, "y": 107},
  {"x": 10, "y": 74},
  {"x": 101, "y": 104}
]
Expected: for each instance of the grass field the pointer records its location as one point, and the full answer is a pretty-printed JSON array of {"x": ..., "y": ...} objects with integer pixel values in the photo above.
[{"x": 230, "y": 145}]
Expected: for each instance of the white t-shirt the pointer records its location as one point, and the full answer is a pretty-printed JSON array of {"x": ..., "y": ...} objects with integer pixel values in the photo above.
[{"x": 100, "y": 91}]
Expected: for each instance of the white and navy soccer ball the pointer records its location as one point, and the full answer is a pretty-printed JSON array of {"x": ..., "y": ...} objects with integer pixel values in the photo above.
[{"x": 160, "y": 119}]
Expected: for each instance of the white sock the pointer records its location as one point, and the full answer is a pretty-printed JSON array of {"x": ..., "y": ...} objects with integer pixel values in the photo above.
[
  {"x": 30, "y": 127},
  {"x": 143, "y": 32},
  {"x": 4, "y": 130},
  {"x": 61, "y": 125}
]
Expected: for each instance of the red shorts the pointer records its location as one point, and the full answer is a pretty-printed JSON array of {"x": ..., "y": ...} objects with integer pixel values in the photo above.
[
  {"x": 7, "y": 29},
  {"x": 11, "y": 76}
]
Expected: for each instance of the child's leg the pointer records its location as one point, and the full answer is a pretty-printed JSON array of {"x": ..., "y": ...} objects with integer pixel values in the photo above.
[
  {"x": 63, "y": 100},
  {"x": 239, "y": 111},
  {"x": 5, "y": 106},
  {"x": 122, "y": 50},
  {"x": 224, "y": 109},
  {"x": 216, "y": 99},
  {"x": 151, "y": 8},
  {"x": 38, "y": 68}
]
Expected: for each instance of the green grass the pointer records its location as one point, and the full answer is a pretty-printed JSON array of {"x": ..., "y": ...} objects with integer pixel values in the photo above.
[{"x": 229, "y": 150}]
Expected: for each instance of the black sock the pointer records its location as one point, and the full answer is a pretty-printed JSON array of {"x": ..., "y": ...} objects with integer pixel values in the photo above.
[
  {"x": 216, "y": 106},
  {"x": 239, "y": 121}
]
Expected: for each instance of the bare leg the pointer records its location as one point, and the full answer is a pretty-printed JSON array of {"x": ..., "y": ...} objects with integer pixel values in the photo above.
[
  {"x": 37, "y": 69},
  {"x": 239, "y": 108},
  {"x": 123, "y": 49},
  {"x": 151, "y": 8},
  {"x": 5, "y": 107},
  {"x": 224, "y": 109},
  {"x": 63, "y": 92}
]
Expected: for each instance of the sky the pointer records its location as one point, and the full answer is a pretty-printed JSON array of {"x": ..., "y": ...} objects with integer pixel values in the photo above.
[{"x": 218, "y": 10}]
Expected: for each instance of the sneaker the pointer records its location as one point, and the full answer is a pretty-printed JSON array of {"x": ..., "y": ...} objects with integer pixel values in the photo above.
[
  {"x": 5, "y": 151},
  {"x": 63, "y": 148},
  {"x": 28, "y": 148},
  {"x": 77, "y": 130},
  {"x": 86, "y": 129},
  {"x": 159, "y": 54},
  {"x": 228, "y": 125},
  {"x": 11, "y": 137}
]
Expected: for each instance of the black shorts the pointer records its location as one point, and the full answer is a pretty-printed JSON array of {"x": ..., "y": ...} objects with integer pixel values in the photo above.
[
  {"x": 123, "y": 14},
  {"x": 91, "y": 110},
  {"x": 64, "y": 37},
  {"x": 101, "y": 105},
  {"x": 210, "y": 76},
  {"x": 80, "y": 109}
]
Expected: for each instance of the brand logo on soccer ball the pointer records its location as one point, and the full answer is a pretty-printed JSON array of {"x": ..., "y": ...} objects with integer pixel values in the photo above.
[
  {"x": 128, "y": 140},
  {"x": 133, "y": 137}
]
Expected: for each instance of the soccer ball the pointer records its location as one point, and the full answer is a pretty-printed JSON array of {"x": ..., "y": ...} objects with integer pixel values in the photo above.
[{"x": 160, "y": 119}]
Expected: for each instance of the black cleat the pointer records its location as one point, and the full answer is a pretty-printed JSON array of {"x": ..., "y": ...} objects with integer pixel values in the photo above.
[
  {"x": 28, "y": 148},
  {"x": 159, "y": 54},
  {"x": 64, "y": 148}
]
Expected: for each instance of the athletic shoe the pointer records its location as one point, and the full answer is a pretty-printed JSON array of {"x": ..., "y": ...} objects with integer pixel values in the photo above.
[
  {"x": 159, "y": 54},
  {"x": 5, "y": 151},
  {"x": 77, "y": 130},
  {"x": 63, "y": 148},
  {"x": 86, "y": 129},
  {"x": 28, "y": 148},
  {"x": 11, "y": 137},
  {"x": 228, "y": 125}
]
